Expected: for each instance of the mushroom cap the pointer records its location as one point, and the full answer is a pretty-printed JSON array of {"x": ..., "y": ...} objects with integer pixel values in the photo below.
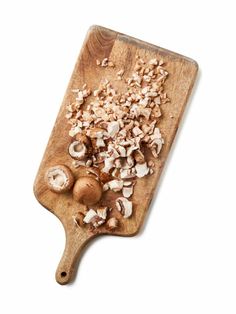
[
  {"x": 87, "y": 190},
  {"x": 59, "y": 178},
  {"x": 78, "y": 150}
]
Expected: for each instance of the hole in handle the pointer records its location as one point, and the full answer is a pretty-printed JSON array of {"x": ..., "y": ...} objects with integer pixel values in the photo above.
[{"x": 63, "y": 274}]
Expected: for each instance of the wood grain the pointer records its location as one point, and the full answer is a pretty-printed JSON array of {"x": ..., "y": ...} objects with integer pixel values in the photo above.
[{"x": 121, "y": 49}]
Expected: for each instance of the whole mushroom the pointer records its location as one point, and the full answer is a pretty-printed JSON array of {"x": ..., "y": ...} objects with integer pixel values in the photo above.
[
  {"x": 59, "y": 178},
  {"x": 87, "y": 190},
  {"x": 79, "y": 148}
]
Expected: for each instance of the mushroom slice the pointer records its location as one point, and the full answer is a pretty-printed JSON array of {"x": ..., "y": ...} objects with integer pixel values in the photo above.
[
  {"x": 59, "y": 179},
  {"x": 102, "y": 212},
  {"x": 126, "y": 174},
  {"x": 112, "y": 223},
  {"x": 136, "y": 131},
  {"x": 96, "y": 218},
  {"x": 105, "y": 187},
  {"x": 158, "y": 142},
  {"x": 124, "y": 206},
  {"x": 141, "y": 170},
  {"x": 100, "y": 142},
  {"x": 75, "y": 130},
  {"x": 127, "y": 191},
  {"x": 122, "y": 151},
  {"x": 108, "y": 164},
  {"x": 128, "y": 163},
  {"x": 77, "y": 150},
  {"x": 89, "y": 216},
  {"x": 115, "y": 185},
  {"x": 127, "y": 183},
  {"x": 139, "y": 156},
  {"x": 113, "y": 128}
]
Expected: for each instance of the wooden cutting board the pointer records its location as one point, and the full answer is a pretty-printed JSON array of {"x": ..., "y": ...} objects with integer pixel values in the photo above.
[{"x": 121, "y": 49}]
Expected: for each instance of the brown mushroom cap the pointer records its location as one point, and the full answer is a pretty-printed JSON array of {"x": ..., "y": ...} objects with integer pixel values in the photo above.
[
  {"x": 87, "y": 190},
  {"x": 59, "y": 178}
]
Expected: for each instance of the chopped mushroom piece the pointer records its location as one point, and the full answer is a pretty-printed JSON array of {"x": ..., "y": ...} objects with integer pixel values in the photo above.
[
  {"x": 141, "y": 170},
  {"x": 96, "y": 218},
  {"x": 102, "y": 212},
  {"x": 127, "y": 191},
  {"x": 113, "y": 128},
  {"x": 89, "y": 216},
  {"x": 112, "y": 223},
  {"x": 115, "y": 185},
  {"x": 124, "y": 206}
]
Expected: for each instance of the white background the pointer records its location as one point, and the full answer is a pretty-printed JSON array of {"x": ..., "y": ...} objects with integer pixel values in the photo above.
[{"x": 184, "y": 259}]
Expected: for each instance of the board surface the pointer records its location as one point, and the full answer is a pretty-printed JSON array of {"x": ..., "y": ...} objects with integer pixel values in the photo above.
[{"x": 121, "y": 49}]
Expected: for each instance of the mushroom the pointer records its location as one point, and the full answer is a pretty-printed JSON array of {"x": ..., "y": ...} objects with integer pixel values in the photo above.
[
  {"x": 87, "y": 190},
  {"x": 83, "y": 139},
  {"x": 141, "y": 170},
  {"x": 102, "y": 212},
  {"x": 96, "y": 218},
  {"x": 108, "y": 164},
  {"x": 89, "y": 216},
  {"x": 115, "y": 185},
  {"x": 127, "y": 191},
  {"x": 112, "y": 223},
  {"x": 59, "y": 179},
  {"x": 139, "y": 156},
  {"x": 124, "y": 206},
  {"x": 96, "y": 132},
  {"x": 78, "y": 150},
  {"x": 113, "y": 128}
]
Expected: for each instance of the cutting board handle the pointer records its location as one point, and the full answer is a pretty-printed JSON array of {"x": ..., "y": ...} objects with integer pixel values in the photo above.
[{"x": 74, "y": 245}]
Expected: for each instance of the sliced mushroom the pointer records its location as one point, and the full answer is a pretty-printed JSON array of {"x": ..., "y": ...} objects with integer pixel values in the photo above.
[
  {"x": 136, "y": 131},
  {"x": 105, "y": 187},
  {"x": 100, "y": 142},
  {"x": 96, "y": 218},
  {"x": 124, "y": 206},
  {"x": 77, "y": 150},
  {"x": 108, "y": 164},
  {"x": 141, "y": 170},
  {"x": 83, "y": 139},
  {"x": 139, "y": 157},
  {"x": 102, "y": 212},
  {"x": 115, "y": 185},
  {"x": 127, "y": 183},
  {"x": 127, "y": 191},
  {"x": 113, "y": 128},
  {"x": 122, "y": 151},
  {"x": 112, "y": 223},
  {"x": 59, "y": 179},
  {"x": 126, "y": 174},
  {"x": 74, "y": 130},
  {"x": 89, "y": 216}
]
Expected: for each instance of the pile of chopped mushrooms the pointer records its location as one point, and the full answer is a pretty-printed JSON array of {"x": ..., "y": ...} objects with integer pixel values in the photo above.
[{"x": 111, "y": 131}]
